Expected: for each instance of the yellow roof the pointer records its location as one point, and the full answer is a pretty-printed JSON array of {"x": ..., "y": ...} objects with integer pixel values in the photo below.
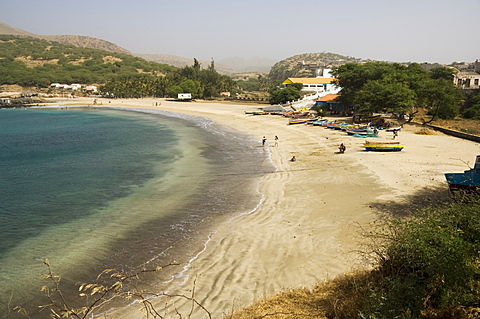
[{"x": 308, "y": 80}]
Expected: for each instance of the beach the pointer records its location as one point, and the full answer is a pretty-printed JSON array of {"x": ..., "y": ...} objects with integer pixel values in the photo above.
[{"x": 308, "y": 225}]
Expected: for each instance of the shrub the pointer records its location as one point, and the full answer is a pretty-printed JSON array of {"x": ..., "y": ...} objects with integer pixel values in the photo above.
[{"x": 430, "y": 262}]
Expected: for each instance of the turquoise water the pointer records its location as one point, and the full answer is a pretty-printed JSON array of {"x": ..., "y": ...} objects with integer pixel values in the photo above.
[{"x": 91, "y": 189}]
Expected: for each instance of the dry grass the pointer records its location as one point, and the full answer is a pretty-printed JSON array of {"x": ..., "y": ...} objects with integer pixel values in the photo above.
[
  {"x": 425, "y": 131},
  {"x": 462, "y": 125},
  {"x": 31, "y": 63},
  {"x": 341, "y": 298},
  {"x": 338, "y": 298}
]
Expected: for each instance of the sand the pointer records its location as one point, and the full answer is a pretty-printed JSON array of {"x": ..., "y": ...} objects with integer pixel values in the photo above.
[{"x": 307, "y": 229}]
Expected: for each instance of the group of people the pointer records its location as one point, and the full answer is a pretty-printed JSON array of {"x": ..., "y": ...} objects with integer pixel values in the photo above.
[
  {"x": 342, "y": 148},
  {"x": 264, "y": 141}
]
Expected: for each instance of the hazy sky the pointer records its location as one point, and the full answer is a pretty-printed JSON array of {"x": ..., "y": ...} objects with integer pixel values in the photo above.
[{"x": 441, "y": 31}]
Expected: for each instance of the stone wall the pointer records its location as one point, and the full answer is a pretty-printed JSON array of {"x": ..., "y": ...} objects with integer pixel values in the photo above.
[{"x": 455, "y": 133}]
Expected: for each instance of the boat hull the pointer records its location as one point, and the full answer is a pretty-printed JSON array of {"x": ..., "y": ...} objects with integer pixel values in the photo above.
[
  {"x": 293, "y": 122},
  {"x": 384, "y": 147},
  {"x": 468, "y": 181}
]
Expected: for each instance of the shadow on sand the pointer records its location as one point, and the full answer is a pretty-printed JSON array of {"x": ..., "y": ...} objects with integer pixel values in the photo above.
[{"x": 432, "y": 196}]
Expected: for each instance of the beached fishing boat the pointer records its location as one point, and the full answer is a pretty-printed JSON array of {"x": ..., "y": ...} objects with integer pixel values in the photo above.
[
  {"x": 366, "y": 132},
  {"x": 319, "y": 123},
  {"x": 391, "y": 129},
  {"x": 255, "y": 113},
  {"x": 468, "y": 181},
  {"x": 357, "y": 131},
  {"x": 297, "y": 121},
  {"x": 383, "y": 146}
]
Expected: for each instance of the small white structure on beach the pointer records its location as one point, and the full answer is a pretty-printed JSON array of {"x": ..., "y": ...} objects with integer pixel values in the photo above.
[{"x": 184, "y": 96}]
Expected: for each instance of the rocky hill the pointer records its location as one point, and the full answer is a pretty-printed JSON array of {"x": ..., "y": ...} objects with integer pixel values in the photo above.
[
  {"x": 76, "y": 40},
  {"x": 307, "y": 64}
]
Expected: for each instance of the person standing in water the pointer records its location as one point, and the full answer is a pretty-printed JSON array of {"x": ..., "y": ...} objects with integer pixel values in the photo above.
[{"x": 264, "y": 140}]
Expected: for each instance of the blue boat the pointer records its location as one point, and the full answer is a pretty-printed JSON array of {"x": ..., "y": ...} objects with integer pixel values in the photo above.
[{"x": 468, "y": 181}]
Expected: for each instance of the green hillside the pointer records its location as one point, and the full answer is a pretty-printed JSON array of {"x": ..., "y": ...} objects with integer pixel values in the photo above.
[{"x": 29, "y": 61}]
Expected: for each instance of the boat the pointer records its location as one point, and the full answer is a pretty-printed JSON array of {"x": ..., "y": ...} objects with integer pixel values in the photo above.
[
  {"x": 255, "y": 113},
  {"x": 319, "y": 123},
  {"x": 468, "y": 181},
  {"x": 383, "y": 146},
  {"x": 357, "y": 131},
  {"x": 297, "y": 121},
  {"x": 391, "y": 129},
  {"x": 364, "y": 132},
  {"x": 336, "y": 125}
]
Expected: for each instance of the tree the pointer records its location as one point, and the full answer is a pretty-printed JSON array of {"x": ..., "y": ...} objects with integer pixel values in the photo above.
[
  {"x": 472, "y": 107},
  {"x": 399, "y": 89},
  {"x": 442, "y": 73},
  {"x": 442, "y": 99},
  {"x": 283, "y": 95},
  {"x": 384, "y": 96}
]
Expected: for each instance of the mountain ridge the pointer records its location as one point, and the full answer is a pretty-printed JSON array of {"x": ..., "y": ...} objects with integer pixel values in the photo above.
[
  {"x": 95, "y": 43},
  {"x": 76, "y": 40}
]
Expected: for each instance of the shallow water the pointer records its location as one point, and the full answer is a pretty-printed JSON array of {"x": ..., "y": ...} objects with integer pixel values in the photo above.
[{"x": 91, "y": 189}]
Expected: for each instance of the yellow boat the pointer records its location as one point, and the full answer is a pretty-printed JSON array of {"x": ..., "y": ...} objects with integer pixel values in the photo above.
[{"x": 383, "y": 146}]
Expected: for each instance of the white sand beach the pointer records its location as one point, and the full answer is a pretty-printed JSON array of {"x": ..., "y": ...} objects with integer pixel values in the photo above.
[{"x": 306, "y": 229}]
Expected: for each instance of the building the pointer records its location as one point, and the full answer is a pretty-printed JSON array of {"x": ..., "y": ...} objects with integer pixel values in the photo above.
[
  {"x": 318, "y": 84},
  {"x": 90, "y": 89},
  {"x": 5, "y": 100},
  {"x": 467, "y": 80},
  {"x": 328, "y": 103}
]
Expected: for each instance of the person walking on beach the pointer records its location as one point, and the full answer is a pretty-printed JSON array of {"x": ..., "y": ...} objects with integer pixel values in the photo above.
[
  {"x": 276, "y": 140},
  {"x": 264, "y": 140},
  {"x": 395, "y": 133}
]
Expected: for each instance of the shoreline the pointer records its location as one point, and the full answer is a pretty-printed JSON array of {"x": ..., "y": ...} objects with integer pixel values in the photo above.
[{"x": 306, "y": 228}]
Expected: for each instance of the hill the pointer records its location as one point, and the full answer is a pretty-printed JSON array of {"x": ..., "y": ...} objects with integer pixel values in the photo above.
[
  {"x": 76, "y": 40},
  {"x": 31, "y": 61},
  {"x": 306, "y": 65},
  {"x": 226, "y": 66}
]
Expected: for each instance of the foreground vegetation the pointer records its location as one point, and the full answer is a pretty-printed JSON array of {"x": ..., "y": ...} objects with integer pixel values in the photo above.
[{"x": 424, "y": 266}]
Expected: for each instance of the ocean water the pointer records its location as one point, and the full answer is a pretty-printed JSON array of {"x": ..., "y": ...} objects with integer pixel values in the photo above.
[{"x": 93, "y": 188}]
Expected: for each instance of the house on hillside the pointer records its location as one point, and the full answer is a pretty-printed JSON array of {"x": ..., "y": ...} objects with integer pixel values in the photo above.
[
  {"x": 313, "y": 84},
  {"x": 90, "y": 89},
  {"x": 467, "y": 80},
  {"x": 5, "y": 101}
]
